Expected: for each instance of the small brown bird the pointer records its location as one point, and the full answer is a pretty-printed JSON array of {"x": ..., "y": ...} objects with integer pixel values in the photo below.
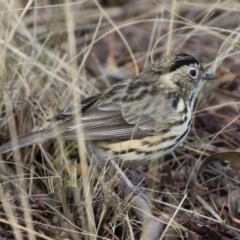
[{"x": 136, "y": 120}]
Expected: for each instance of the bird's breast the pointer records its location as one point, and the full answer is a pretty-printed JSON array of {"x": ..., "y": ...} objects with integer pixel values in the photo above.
[{"x": 140, "y": 151}]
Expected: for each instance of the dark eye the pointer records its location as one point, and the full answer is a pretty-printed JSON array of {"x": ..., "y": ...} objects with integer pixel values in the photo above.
[{"x": 193, "y": 73}]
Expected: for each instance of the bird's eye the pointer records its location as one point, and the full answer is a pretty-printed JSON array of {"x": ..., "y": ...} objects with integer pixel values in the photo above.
[{"x": 193, "y": 73}]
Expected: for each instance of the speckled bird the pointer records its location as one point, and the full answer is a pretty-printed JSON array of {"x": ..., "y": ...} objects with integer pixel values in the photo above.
[{"x": 136, "y": 120}]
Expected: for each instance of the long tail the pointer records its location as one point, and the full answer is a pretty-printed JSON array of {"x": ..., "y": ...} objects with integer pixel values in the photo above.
[{"x": 27, "y": 140}]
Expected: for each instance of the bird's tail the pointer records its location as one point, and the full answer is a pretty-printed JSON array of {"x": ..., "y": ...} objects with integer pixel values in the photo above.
[{"x": 27, "y": 140}]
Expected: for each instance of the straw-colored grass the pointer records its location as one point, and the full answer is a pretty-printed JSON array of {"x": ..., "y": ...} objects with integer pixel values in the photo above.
[{"x": 54, "y": 52}]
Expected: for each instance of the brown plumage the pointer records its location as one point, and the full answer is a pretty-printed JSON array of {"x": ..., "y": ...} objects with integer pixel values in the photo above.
[{"x": 135, "y": 120}]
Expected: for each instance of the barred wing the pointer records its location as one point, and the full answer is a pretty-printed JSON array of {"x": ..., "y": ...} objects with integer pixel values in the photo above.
[{"x": 122, "y": 114}]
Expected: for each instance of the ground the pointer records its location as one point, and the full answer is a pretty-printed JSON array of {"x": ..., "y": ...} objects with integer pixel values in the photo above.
[{"x": 55, "y": 51}]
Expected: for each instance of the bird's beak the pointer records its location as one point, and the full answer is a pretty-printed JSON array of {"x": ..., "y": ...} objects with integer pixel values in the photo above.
[{"x": 209, "y": 76}]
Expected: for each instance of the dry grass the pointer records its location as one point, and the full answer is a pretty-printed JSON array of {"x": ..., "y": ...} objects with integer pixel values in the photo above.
[{"x": 53, "y": 52}]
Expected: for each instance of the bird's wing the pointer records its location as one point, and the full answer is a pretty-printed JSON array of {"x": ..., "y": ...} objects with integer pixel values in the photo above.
[{"x": 126, "y": 110}]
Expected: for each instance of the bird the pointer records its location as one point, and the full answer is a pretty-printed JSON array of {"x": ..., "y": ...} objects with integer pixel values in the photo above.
[{"x": 135, "y": 120}]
